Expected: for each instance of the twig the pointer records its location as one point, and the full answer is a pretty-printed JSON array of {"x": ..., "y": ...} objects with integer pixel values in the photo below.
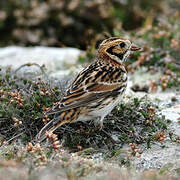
[
  {"x": 32, "y": 64},
  {"x": 2, "y": 119},
  {"x": 12, "y": 139}
]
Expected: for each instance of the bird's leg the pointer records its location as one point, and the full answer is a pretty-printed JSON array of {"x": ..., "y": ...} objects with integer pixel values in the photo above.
[
  {"x": 101, "y": 123},
  {"x": 98, "y": 122}
]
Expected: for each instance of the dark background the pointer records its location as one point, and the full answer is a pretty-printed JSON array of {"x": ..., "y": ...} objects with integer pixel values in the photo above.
[{"x": 75, "y": 23}]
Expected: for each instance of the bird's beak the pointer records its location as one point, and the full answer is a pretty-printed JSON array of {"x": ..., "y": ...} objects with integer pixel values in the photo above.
[{"x": 135, "y": 48}]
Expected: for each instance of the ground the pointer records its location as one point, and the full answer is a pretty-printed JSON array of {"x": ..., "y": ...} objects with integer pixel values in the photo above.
[{"x": 140, "y": 138}]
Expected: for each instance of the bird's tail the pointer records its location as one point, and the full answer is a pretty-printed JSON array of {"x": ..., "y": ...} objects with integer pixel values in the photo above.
[{"x": 49, "y": 127}]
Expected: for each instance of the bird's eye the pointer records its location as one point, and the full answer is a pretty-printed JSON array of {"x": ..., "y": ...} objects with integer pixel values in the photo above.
[{"x": 122, "y": 45}]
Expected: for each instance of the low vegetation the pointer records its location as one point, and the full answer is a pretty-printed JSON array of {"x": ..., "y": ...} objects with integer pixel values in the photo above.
[
  {"x": 82, "y": 150},
  {"x": 23, "y": 101},
  {"x": 134, "y": 122}
]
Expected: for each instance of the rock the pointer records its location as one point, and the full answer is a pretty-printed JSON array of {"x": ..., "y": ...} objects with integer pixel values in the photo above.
[{"x": 54, "y": 59}]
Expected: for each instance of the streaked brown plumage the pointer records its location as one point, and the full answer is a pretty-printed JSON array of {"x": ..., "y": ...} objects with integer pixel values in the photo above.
[{"x": 96, "y": 90}]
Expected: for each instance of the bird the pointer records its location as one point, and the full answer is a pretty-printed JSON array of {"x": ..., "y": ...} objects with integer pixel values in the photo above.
[{"x": 96, "y": 90}]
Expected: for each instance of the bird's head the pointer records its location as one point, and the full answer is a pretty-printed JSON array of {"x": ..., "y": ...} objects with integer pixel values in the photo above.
[{"x": 116, "y": 48}]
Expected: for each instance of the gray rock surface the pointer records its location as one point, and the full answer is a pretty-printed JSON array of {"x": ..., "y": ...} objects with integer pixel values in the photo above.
[
  {"x": 60, "y": 60},
  {"x": 166, "y": 155}
]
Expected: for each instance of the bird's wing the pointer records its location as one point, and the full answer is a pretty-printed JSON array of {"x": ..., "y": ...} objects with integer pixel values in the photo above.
[
  {"x": 84, "y": 96},
  {"x": 94, "y": 82}
]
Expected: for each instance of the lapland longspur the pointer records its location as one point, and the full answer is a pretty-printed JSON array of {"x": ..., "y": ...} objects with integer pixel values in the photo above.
[{"x": 96, "y": 90}]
